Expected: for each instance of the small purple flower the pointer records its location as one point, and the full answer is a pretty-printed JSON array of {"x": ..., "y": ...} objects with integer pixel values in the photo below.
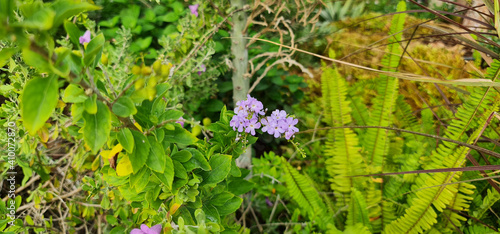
[
  {"x": 277, "y": 114},
  {"x": 203, "y": 68},
  {"x": 156, "y": 229},
  {"x": 268, "y": 202},
  {"x": 85, "y": 38},
  {"x": 194, "y": 9},
  {"x": 180, "y": 121},
  {"x": 252, "y": 125}
]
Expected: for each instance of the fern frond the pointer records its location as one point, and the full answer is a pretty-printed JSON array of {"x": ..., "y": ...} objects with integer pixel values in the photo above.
[
  {"x": 306, "y": 196},
  {"x": 489, "y": 200},
  {"x": 422, "y": 214},
  {"x": 460, "y": 202},
  {"x": 376, "y": 140},
  {"x": 344, "y": 158},
  {"x": 357, "y": 213}
]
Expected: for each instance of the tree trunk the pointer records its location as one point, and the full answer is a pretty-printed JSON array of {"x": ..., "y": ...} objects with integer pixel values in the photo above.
[{"x": 241, "y": 84}]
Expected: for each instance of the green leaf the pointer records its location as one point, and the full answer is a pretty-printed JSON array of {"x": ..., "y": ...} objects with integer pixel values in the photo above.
[
  {"x": 97, "y": 127},
  {"x": 230, "y": 206},
  {"x": 67, "y": 8},
  {"x": 6, "y": 54},
  {"x": 239, "y": 187},
  {"x": 211, "y": 213},
  {"x": 221, "y": 165},
  {"x": 36, "y": 60},
  {"x": 140, "y": 180},
  {"x": 74, "y": 94},
  {"x": 182, "y": 156},
  {"x": 169, "y": 17},
  {"x": 179, "y": 170},
  {"x": 141, "y": 151},
  {"x": 38, "y": 101},
  {"x": 126, "y": 139},
  {"x": 156, "y": 158},
  {"x": 94, "y": 50},
  {"x": 130, "y": 15},
  {"x": 221, "y": 198},
  {"x": 167, "y": 177},
  {"x": 180, "y": 136},
  {"x": 124, "y": 107},
  {"x": 197, "y": 161},
  {"x": 73, "y": 32},
  {"x": 43, "y": 19},
  {"x": 171, "y": 114},
  {"x": 91, "y": 104}
]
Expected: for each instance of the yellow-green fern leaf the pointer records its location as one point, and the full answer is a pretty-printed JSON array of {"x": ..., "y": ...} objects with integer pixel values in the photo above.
[{"x": 422, "y": 214}]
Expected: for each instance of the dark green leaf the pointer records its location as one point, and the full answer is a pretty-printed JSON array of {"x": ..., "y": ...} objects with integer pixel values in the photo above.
[
  {"x": 221, "y": 165},
  {"x": 230, "y": 206},
  {"x": 221, "y": 198},
  {"x": 239, "y": 187},
  {"x": 197, "y": 161}
]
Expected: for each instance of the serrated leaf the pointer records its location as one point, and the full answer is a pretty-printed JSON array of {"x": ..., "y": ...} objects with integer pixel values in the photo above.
[
  {"x": 179, "y": 136},
  {"x": 140, "y": 180},
  {"x": 167, "y": 177},
  {"x": 197, "y": 161},
  {"x": 230, "y": 206},
  {"x": 124, "y": 107},
  {"x": 156, "y": 158},
  {"x": 221, "y": 165},
  {"x": 182, "y": 156},
  {"x": 39, "y": 100},
  {"x": 97, "y": 127},
  {"x": 179, "y": 170},
  {"x": 239, "y": 187}
]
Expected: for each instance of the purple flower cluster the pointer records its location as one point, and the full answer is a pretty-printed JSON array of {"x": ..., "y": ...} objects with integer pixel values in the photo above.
[
  {"x": 156, "y": 229},
  {"x": 249, "y": 117}
]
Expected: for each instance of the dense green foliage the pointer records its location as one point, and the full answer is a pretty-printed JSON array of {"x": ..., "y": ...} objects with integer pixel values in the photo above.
[{"x": 120, "y": 116}]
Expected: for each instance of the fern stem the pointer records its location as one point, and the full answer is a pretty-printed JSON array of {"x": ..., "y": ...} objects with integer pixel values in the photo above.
[{"x": 477, "y": 148}]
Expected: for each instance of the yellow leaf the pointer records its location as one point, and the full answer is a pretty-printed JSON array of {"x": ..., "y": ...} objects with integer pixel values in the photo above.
[
  {"x": 138, "y": 126},
  {"x": 124, "y": 167},
  {"x": 117, "y": 149},
  {"x": 174, "y": 208},
  {"x": 105, "y": 153},
  {"x": 378, "y": 180},
  {"x": 43, "y": 133},
  {"x": 96, "y": 163}
]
